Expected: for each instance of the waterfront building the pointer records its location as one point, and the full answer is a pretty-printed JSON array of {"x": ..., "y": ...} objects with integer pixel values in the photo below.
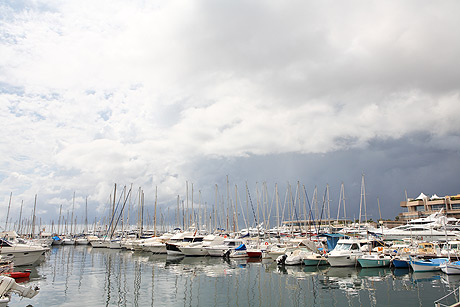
[{"x": 423, "y": 206}]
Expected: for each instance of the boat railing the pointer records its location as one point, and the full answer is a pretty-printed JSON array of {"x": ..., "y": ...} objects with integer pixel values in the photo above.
[{"x": 449, "y": 300}]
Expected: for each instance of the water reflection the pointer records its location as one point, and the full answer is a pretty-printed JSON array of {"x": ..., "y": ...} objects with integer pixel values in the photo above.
[{"x": 81, "y": 275}]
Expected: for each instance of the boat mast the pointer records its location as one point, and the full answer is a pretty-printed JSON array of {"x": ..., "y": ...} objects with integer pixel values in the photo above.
[
  {"x": 8, "y": 213},
  {"x": 236, "y": 207},
  {"x": 20, "y": 218},
  {"x": 155, "y": 213},
  {"x": 277, "y": 210},
  {"x": 33, "y": 218},
  {"x": 86, "y": 215},
  {"x": 59, "y": 221},
  {"x": 71, "y": 219}
]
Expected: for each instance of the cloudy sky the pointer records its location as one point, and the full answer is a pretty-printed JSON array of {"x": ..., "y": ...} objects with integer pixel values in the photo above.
[{"x": 158, "y": 93}]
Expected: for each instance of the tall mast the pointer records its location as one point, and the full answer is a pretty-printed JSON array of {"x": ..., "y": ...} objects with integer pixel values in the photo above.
[
  {"x": 59, "y": 221},
  {"x": 277, "y": 209},
  {"x": 155, "y": 213},
  {"x": 33, "y": 217},
  {"x": 193, "y": 211},
  {"x": 215, "y": 210},
  {"x": 71, "y": 219},
  {"x": 8, "y": 213},
  {"x": 228, "y": 201},
  {"x": 20, "y": 218},
  {"x": 362, "y": 200},
  {"x": 186, "y": 205},
  {"x": 236, "y": 207},
  {"x": 86, "y": 215},
  {"x": 199, "y": 210},
  {"x": 113, "y": 209}
]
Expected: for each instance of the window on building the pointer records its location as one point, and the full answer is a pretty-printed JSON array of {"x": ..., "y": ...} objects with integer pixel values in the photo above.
[
  {"x": 455, "y": 206},
  {"x": 437, "y": 207},
  {"x": 420, "y": 208}
]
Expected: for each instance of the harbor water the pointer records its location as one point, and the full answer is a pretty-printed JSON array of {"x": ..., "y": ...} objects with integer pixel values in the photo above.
[{"x": 86, "y": 276}]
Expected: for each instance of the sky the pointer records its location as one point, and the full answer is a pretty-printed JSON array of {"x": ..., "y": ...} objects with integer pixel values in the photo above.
[{"x": 161, "y": 94}]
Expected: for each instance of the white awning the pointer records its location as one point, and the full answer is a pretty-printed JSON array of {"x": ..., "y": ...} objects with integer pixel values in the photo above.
[
  {"x": 435, "y": 197},
  {"x": 422, "y": 196}
]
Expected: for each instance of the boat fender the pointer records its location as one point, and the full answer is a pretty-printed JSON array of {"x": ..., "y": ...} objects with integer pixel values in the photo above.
[{"x": 266, "y": 243}]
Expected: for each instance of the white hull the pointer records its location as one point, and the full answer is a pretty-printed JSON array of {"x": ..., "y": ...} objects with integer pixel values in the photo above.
[
  {"x": 216, "y": 251},
  {"x": 115, "y": 245},
  {"x": 99, "y": 243},
  {"x": 426, "y": 266},
  {"x": 238, "y": 254},
  {"x": 156, "y": 249},
  {"x": 23, "y": 256},
  {"x": 343, "y": 260},
  {"x": 194, "y": 251},
  {"x": 450, "y": 268},
  {"x": 174, "y": 253},
  {"x": 68, "y": 241},
  {"x": 81, "y": 241}
]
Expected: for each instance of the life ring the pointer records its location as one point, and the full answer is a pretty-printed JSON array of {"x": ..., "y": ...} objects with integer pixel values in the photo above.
[
  {"x": 380, "y": 248},
  {"x": 266, "y": 243},
  {"x": 406, "y": 250}
]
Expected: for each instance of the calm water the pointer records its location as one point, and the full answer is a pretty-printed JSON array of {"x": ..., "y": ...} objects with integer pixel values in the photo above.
[{"x": 82, "y": 276}]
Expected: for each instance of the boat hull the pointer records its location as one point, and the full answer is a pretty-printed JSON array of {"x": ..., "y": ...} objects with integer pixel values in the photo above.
[
  {"x": 254, "y": 254},
  {"x": 343, "y": 260},
  {"x": 156, "y": 249},
  {"x": 400, "y": 263},
  {"x": 194, "y": 251},
  {"x": 450, "y": 268},
  {"x": 315, "y": 262},
  {"x": 23, "y": 257},
  {"x": 374, "y": 263},
  {"x": 427, "y": 265},
  {"x": 173, "y": 250}
]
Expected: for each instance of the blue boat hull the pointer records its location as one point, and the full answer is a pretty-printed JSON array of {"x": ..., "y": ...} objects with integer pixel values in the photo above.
[{"x": 400, "y": 263}]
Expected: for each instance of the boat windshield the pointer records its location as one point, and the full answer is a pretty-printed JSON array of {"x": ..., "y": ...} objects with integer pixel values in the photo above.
[{"x": 343, "y": 246}]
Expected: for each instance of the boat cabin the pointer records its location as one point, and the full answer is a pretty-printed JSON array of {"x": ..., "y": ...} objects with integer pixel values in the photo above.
[{"x": 427, "y": 248}]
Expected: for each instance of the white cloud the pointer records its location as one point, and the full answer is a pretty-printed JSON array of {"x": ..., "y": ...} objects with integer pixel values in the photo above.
[{"x": 113, "y": 91}]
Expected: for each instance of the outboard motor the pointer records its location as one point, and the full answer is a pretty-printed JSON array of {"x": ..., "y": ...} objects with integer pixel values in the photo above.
[{"x": 281, "y": 260}]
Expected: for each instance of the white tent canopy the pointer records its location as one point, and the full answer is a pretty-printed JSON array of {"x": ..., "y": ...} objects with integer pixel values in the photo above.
[
  {"x": 435, "y": 197},
  {"x": 422, "y": 196}
]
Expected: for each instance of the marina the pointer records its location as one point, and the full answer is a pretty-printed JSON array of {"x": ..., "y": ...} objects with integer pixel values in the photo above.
[
  {"x": 85, "y": 276},
  {"x": 316, "y": 263}
]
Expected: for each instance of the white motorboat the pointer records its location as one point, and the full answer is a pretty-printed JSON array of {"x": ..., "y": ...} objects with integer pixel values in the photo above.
[
  {"x": 24, "y": 254},
  {"x": 156, "y": 245},
  {"x": 100, "y": 243},
  {"x": 345, "y": 253},
  {"x": 220, "y": 250},
  {"x": 239, "y": 252},
  {"x": 81, "y": 241},
  {"x": 450, "y": 268},
  {"x": 115, "y": 243},
  {"x": 68, "y": 241},
  {"x": 172, "y": 248},
  {"x": 431, "y": 228},
  {"x": 200, "y": 248},
  {"x": 426, "y": 265}
]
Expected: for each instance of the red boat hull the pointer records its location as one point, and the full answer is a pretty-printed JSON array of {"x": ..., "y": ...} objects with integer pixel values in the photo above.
[{"x": 254, "y": 254}]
